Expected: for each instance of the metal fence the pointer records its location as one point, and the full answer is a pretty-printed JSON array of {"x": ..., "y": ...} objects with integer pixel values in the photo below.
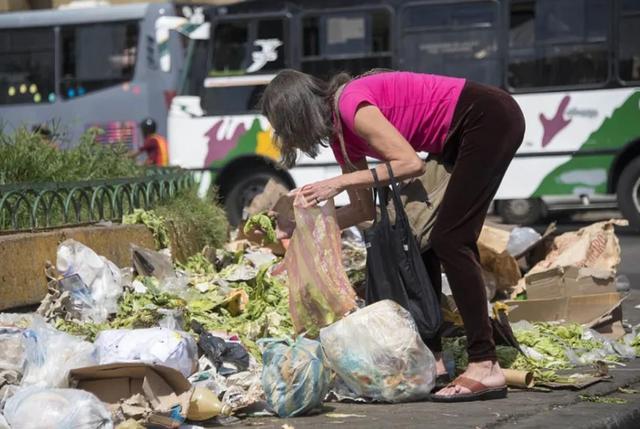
[{"x": 31, "y": 206}]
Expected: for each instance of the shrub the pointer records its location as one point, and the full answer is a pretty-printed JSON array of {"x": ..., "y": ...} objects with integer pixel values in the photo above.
[
  {"x": 29, "y": 157},
  {"x": 193, "y": 223}
]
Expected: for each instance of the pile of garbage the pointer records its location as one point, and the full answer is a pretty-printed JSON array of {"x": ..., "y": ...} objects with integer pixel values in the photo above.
[
  {"x": 189, "y": 330},
  {"x": 241, "y": 331}
]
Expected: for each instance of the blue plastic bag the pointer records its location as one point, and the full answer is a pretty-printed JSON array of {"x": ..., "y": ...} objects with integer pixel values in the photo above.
[{"x": 294, "y": 377}]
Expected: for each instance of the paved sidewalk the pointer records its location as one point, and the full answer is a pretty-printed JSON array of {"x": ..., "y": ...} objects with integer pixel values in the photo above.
[
  {"x": 557, "y": 409},
  {"x": 523, "y": 410}
]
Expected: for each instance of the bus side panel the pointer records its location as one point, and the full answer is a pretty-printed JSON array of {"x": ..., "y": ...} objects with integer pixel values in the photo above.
[
  {"x": 211, "y": 142},
  {"x": 601, "y": 122}
]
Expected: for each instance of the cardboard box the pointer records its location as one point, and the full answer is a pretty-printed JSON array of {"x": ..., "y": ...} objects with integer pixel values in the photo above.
[
  {"x": 602, "y": 312},
  {"x": 166, "y": 389},
  {"x": 494, "y": 258},
  {"x": 560, "y": 282}
]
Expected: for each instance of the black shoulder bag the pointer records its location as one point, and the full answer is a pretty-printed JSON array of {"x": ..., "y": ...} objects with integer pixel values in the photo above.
[{"x": 394, "y": 265}]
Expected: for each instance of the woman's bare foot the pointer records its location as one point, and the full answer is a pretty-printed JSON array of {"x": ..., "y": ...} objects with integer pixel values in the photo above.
[{"x": 485, "y": 372}]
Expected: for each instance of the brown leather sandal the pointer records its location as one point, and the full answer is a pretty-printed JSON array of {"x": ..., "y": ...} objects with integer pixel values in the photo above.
[{"x": 479, "y": 392}]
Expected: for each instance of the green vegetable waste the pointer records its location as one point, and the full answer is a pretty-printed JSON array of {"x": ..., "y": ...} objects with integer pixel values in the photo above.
[
  {"x": 155, "y": 223},
  {"x": 545, "y": 343},
  {"x": 261, "y": 222},
  {"x": 219, "y": 308},
  {"x": 603, "y": 399}
]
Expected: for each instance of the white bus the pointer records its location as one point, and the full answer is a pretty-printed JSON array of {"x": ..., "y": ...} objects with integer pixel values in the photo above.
[{"x": 572, "y": 65}]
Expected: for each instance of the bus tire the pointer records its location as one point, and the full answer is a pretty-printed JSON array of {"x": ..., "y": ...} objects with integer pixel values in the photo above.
[
  {"x": 522, "y": 211},
  {"x": 242, "y": 192},
  {"x": 628, "y": 193}
]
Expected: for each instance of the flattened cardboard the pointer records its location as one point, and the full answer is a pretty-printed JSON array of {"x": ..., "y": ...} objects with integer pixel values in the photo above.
[
  {"x": 560, "y": 282},
  {"x": 589, "y": 310},
  {"x": 163, "y": 387}
]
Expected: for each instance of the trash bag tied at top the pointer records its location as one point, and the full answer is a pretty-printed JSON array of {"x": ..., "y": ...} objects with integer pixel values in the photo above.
[{"x": 319, "y": 289}]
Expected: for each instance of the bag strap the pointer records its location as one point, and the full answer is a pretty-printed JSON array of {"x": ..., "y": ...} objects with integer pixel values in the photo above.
[
  {"x": 395, "y": 194},
  {"x": 381, "y": 194}
]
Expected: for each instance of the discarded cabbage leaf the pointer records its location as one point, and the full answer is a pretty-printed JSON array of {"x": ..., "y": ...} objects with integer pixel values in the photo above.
[
  {"x": 154, "y": 222},
  {"x": 549, "y": 348},
  {"x": 263, "y": 223}
]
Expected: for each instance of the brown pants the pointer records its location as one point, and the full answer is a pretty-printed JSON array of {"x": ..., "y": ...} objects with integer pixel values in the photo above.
[{"x": 487, "y": 129}]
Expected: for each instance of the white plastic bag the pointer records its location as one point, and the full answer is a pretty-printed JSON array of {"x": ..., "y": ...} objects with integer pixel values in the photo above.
[
  {"x": 45, "y": 408},
  {"x": 379, "y": 355},
  {"x": 51, "y": 354},
  {"x": 520, "y": 239},
  {"x": 101, "y": 277},
  {"x": 12, "y": 351},
  {"x": 175, "y": 349}
]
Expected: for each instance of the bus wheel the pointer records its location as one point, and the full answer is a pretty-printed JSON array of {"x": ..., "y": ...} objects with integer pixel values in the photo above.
[
  {"x": 628, "y": 193},
  {"x": 521, "y": 212},
  {"x": 244, "y": 190}
]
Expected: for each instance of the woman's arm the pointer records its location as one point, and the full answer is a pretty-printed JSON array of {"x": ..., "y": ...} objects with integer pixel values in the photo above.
[{"x": 384, "y": 139}]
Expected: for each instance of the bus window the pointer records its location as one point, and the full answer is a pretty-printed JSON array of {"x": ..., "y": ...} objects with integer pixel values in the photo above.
[
  {"x": 346, "y": 41},
  {"x": 27, "y": 72},
  {"x": 97, "y": 56},
  {"x": 629, "y": 48},
  {"x": 230, "y": 42},
  {"x": 196, "y": 67},
  {"x": 242, "y": 47},
  {"x": 231, "y": 100},
  {"x": 558, "y": 43},
  {"x": 241, "y": 50},
  {"x": 271, "y": 30},
  {"x": 452, "y": 39}
]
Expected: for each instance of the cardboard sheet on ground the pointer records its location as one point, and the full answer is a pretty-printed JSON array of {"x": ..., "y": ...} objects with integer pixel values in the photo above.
[
  {"x": 601, "y": 312},
  {"x": 561, "y": 282},
  {"x": 164, "y": 389}
]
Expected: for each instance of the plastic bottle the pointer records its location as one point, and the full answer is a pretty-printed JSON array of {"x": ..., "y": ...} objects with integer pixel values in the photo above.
[{"x": 205, "y": 405}]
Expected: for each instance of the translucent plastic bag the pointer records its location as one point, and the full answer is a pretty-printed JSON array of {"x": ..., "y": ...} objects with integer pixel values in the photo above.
[
  {"x": 379, "y": 355},
  {"x": 101, "y": 277},
  {"x": 175, "y": 349},
  {"x": 12, "y": 351},
  {"x": 520, "y": 239},
  {"x": 294, "y": 378},
  {"x": 319, "y": 289},
  {"x": 51, "y": 354},
  {"x": 45, "y": 408}
]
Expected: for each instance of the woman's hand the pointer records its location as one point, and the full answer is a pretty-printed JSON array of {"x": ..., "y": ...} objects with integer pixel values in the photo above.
[{"x": 315, "y": 193}]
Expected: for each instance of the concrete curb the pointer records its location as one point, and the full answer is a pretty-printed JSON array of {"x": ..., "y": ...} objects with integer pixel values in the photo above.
[{"x": 22, "y": 256}]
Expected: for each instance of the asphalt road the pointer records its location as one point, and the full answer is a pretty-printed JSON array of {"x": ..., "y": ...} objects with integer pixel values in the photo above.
[{"x": 558, "y": 409}]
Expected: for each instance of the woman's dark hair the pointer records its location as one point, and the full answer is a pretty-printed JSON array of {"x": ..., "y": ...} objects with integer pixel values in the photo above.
[{"x": 300, "y": 110}]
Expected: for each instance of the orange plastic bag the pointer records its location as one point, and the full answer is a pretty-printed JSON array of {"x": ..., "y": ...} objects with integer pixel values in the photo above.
[{"x": 319, "y": 290}]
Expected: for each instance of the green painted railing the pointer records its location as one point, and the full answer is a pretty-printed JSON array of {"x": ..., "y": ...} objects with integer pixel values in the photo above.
[{"x": 30, "y": 206}]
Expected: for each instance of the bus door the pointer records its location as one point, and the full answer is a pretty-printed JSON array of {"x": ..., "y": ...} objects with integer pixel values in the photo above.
[{"x": 451, "y": 38}]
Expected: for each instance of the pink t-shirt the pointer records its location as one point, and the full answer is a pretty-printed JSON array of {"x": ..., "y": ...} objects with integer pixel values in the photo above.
[{"x": 420, "y": 106}]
